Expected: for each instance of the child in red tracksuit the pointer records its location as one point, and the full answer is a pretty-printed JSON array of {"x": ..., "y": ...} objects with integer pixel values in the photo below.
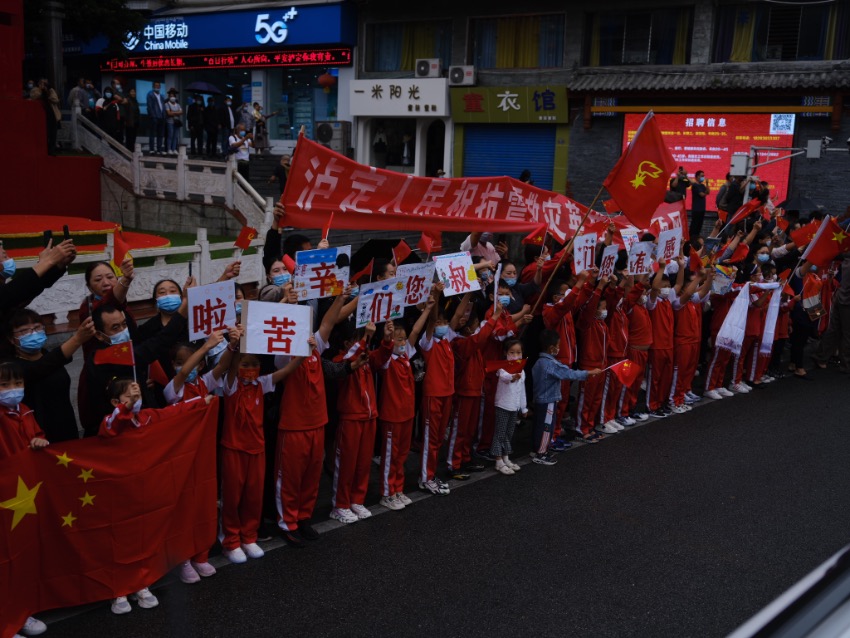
[
  {"x": 748, "y": 359},
  {"x": 618, "y": 338},
  {"x": 660, "y": 371},
  {"x": 397, "y": 409},
  {"x": 469, "y": 385},
  {"x": 301, "y": 436},
  {"x": 437, "y": 390},
  {"x": 560, "y": 317},
  {"x": 687, "y": 310},
  {"x": 639, "y": 342},
  {"x": 357, "y": 404},
  {"x": 716, "y": 374},
  {"x": 592, "y": 347}
]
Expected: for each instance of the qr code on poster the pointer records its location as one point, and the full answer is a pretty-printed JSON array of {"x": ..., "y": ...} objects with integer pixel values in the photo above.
[{"x": 782, "y": 124}]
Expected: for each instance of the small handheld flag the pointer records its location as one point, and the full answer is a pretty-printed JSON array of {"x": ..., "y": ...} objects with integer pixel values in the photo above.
[
  {"x": 246, "y": 236},
  {"x": 120, "y": 354},
  {"x": 514, "y": 366}
]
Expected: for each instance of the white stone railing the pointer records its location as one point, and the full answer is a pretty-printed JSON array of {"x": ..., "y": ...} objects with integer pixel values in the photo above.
[
  {"x": 175, "y": 178},
  {"x": 67, "y": 294}
]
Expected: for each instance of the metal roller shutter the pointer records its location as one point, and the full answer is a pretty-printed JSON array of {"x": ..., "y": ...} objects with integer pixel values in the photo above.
[{"x": 508, "y": 149}]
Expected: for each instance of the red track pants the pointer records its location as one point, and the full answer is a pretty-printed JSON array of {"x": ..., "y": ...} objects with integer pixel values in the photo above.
[
  {"x": 241, "y": 497},
  {"x": 612, "y": 393},
  {"x": 717, "y": 369},
  {"x": 436, "y": 412},
  {"x": 630, "y": 398},
  {"x": 684, "y": 368},
  {"x": 589, "y": 403},
  {"x": 395, "y": 446},
  {"x": 355, "y": 442},
  {"x": 298, "y": 470},
  {"x": 659, "y": 377},
  {"x": 746, "y": 360},
  {"x": 467, "y": 411}
]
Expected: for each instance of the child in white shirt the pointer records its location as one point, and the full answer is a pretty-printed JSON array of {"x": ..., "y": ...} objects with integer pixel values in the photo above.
[{"x": 510, "y": 404}]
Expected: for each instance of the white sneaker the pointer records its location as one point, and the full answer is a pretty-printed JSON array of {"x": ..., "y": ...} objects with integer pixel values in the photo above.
[
  {"x": 626, "y": 420},
  {"x": 607, "y": 428},
  {"x": 33, "y": 627},
  {"x": 504, "y": 469},
  {"x": 678, "y": 409},
  {"x": 253, "y": 550},
  {"x": 235, "y": 556},
  {"x": 360, "y": 511},
  {"x": 121, "y": 606},
  {"x": 344, "y": 515},
  {"x": 188, "y": 574},
  {"x": 713, "y": 394},
  {"x": 392, "y": 503},
  {"x": 725, "y": 392},
  {"x": 693, "y": 397},
  {"x": 404, "y": 498},
  {"x": 767, "y": 379},
  {"x": 145, "y": 598},
  {"x": 512, "y": 465},
  {"x": 205, "y": 570},
  {"x": 740, "y": 388},
  {"x": 748, "y": 387}
]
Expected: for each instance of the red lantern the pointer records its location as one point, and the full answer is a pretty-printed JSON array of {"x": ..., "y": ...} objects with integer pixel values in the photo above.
[{"x": 326, "y": 81}]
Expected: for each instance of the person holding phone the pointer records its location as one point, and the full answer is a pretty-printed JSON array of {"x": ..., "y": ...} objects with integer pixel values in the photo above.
[{"x": 479, "y": 245}]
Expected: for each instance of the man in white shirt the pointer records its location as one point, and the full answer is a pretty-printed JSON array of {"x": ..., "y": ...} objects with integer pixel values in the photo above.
[{"x": 240, "y": 145}]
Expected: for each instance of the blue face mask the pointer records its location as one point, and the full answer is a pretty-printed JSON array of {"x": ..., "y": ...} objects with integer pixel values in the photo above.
[
  {"x": 813, "y": 269},
  {"x": 33, "y": 342},
  {"x": 484, "y": 276},
  {"x": 441, "y": 331},
  {"x": 763, "y": 257},
  {"x": 238, "y": 308},
  {"x": 11, "y": 398},
  {"x": 121, "y": 337},
  {"x": 9, "y": 268},
  {"x": 191, "y": 377},
  {"x": 168, "y": 303},
  {"x": 242, "y": 133},
  {"x": 355, "y": 291},
  {"x": 282, "y": 279},
  {"x": 505, "y": 300},
  {"x": 215, "y": 353},
  {"x": 752, "y": 187},
  {"x": 511, "y": 282}
]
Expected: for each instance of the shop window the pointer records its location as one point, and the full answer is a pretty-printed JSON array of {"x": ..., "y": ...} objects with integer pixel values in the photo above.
[
  {"x": 787, "y": 32},
  {"x": 518, "y": 42},
  {"x": 395, "y": 46},
  {"x": 299, "y": 100},
  {"x": 662, "y": 36}
]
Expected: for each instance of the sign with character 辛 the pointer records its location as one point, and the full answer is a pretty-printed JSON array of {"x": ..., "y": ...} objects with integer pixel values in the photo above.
[
  {"x": 321, "y": 273},
  {"x": 276, "y": 328},
  {"x": 418, "y": 279},
  {"x": 380, "y": 301},
  {"x": 456, "y": 273},
  {"x": 211, "y": 307}
]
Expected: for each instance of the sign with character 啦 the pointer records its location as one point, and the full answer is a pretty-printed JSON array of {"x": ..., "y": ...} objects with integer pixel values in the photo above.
[
  {"x": 321, "y": 273},
  {"x": 276, "y": 328},
  {"x": 380, "y": 301},
  {"x": 211, "y": 307},
  {"x": 457, "y": 274}
]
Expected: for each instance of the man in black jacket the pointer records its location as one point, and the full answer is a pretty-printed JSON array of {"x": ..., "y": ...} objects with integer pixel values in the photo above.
[
  {"x": 18, "y": 289},
  {"x": 227, "y": 121},
  {"x": 211, "y": 126}
]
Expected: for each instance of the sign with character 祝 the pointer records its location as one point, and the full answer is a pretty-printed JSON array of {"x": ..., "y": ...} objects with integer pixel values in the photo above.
[
  {"x": 457, "y": 274},
  {"x": 276, "y": 328},
  {"x": 380, "y": 301},
  {"x": 211, "y": 307},
  {"x": 669, "y": 244},
  {"x": 609, "y": 260},
  {"x": 640, "y": 258},
  {"x": 418, "y": 279},
  {"x": 321, "y": 273},
  {"x": 584, "y": 251}
]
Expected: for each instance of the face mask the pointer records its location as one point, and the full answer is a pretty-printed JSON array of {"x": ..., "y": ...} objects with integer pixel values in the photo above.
[
  {"x": 514, "y": 357},
  {"x": 244, "y": 109},
  {"x": 107, "y": 96},
  {"x": 763, "y": 257},
  {"x": 172, "y": 99},
  {"x": 814, "y": 269},
  {"x": 215, "y": 352},
  {"x": 121, "y": 337},
  {"x": 137, "y": 406},
  {"x": 665, "y": 292},
  {"x": 282, "y": 279},
  {"x": 118, "y": 88},
  {"x": 602, "y": 314},
  {"x": 168, "y": 303},
  {"x": 242, "y": 133},
  {"x": 11, "y": 398},
  {"x": 228, "y": 102},
  {"x": 249, "y": 375},
  {"x": 701, "y": 180},
  {"x": 355, "y": 291},
  {"x": 441, "y": 331},
  {"x": 505, "y": 300},
  {"x": 484, "y": 276},
  {"x": 33, "y": 343},
  {"x": 752, "y": 187},
  {"x": 9, "y": 268},
  {"x": 191, "y": 377},
  {"x": 511, "y": 282},
  {"x": 156, "y": 91},
  {"x": 547, "y": 257},
  {"x": 238, "y": 308},
  {"x": 642, "y": 300},
  {"x": 400, "y": 350}
]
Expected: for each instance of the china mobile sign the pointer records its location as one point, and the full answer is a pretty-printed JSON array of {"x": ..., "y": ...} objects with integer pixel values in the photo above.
[{"x": 287, "y": 25}]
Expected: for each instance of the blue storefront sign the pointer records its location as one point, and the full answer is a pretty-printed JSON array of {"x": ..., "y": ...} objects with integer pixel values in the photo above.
[{"x": 283, "y": 26}]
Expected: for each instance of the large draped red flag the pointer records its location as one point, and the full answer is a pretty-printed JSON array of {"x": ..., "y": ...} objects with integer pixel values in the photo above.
[
  {"x": 322, "y": 182},
  {"x": 830, "y": 241},
  {"x": 638, "y": 182},
  {"x": 92, "y": 519}
]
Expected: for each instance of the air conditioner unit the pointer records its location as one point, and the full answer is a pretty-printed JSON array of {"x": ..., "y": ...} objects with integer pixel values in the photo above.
[
  {"x": 334, "y": 135},
  {"x": 462, "y": 76},
  {"x": 428, "y": 68}
]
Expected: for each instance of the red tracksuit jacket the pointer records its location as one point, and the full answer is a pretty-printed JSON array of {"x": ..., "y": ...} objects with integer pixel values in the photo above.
[
  {"x": 640, "y": 325},
  {"x": 357, "y": 399},
  {"x": 559, "y": 317},
  {"x": 617, "y": 322},
  {"x": 17, "y": 428},
  {"x": 592, "y": 346},
  {"x": 469, "y": 371}
]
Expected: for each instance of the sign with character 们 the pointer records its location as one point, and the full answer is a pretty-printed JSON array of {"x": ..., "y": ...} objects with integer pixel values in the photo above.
[
  {"x": 211, "y": 307},
  {"x": 276, "y": 328},
  {"x": 457, "y": 274},
  {"x": 380, "y": 301},
  {"x": 584, "y": 252},
  {"x": 418, "y": 279},
  {"x": 321, "y": 273}
]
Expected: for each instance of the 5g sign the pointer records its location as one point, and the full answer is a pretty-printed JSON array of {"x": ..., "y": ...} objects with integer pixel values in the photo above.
[{"x": 266, "y": 32}]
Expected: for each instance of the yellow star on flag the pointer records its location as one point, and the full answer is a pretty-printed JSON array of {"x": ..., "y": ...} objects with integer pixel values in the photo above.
[
  {"x": 839, "y": 236},
  {"x": 63, "y": 459},
  {"x": 639, "y": 180},
  {"x": 68, "y": 521},
  {"x": 87, "y": 499},
  {"x": 22, "y": 503},
  {"x": 86, "y": 475}
]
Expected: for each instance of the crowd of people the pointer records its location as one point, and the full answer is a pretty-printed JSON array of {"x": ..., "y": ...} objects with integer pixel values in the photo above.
[{"x": 456, "y": 372}]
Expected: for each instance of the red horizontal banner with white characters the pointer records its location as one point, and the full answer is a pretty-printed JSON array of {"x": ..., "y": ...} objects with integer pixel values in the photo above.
[{"x": 322, "y": 182}]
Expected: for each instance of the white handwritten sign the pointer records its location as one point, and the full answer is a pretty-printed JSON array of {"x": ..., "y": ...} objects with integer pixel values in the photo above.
[
  {"x": 380, "y": 301},
  {"x": 276, "y": 328},
  {"x": 609, "y": 260},
  {"x": 669, "y": 244},
  {"x": 211, "y": 307},
  {"x": 457, "y": 274},
  {"x": 418, "y": 279},
  {"x": 321, "y": 273},
  {"x": 640, "y": 258},
  {"x": 584, "y": 252}
]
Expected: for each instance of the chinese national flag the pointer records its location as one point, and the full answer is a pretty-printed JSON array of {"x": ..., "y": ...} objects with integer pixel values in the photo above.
[
  {"x": 611, "y": 206},
  {"x": 120, "y": 248},
  {"x": 428, "y": 243},
  {"x": 805, "y": 234},
  {"x": 626, "y": 372},
  {"x": 740, "y": 254},
  {"x": 401, "y": 252},
  {"x": 511, "y": 367},
  {"x": 157, "y": 374},
  {"x": 746, "y": 210},
  {"x": 695, "y": 264},
  {"x": 120, "y": 354},
  {"x": 246, "y": 236},
  {"x": 89, "y": 520},
  {"x": 326, "y": 229},
  {"x": 366, "y": 271},
  {"x": 638, "y": 182},
  {"x": 537, "y": 236},
  {"x": 289, "y": 263},
  {"x": 830, "y": 241},
  {"x": 782, "y": 223}
]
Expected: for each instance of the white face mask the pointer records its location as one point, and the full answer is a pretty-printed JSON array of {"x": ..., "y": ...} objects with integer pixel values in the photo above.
[
  {"x": 665, "y": 291},
  {"x": 602, "y": 314},
  {"x": 642, "y": 300},
  {"x": 514, "y": 357}
]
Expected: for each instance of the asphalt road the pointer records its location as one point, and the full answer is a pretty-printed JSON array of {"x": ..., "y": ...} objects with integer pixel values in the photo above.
[{"x": 682, "y": 527}]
